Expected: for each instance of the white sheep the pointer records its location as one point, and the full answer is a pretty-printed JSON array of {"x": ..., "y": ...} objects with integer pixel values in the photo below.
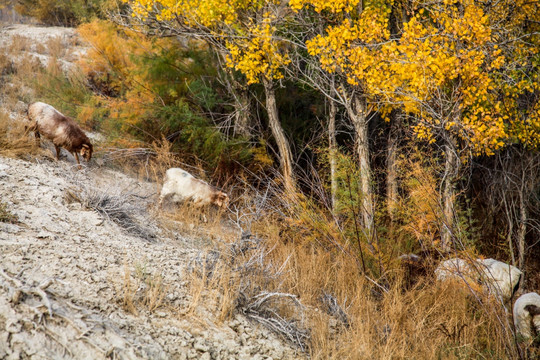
[
  {"x": 180, "y": 186},
  {"x": 454, "y": 268},
  {"x": 497, "y": 277},
  {"x": 527, "y": 315},
  {"x": 61, "y": 130},
  {"x": 500, "y": 278}
]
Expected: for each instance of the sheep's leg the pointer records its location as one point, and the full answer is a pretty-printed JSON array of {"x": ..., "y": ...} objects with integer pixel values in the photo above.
[
  {"x": 57, "y": 148},
  {"x": 33, "y": 127},
  {"x": 165, "y": 200},
  {"x": 77, "y": 158},
  {"x": 36, "y": 135}
]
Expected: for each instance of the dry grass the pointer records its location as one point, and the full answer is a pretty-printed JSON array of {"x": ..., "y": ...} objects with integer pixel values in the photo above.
[
  {"x": 433, "y": 320},
  {"x": 56, "y": 46},
  {"x": 14, "y": 141},
  {"x": 316, "y": 295},
  {"x": 235, "y": 277},
  {"x": 120, "y": 205},
  {"x": 5, "y": 215},
  {"x": 7, "y": 66},
  {"x": 207, "y": 224},
  {"x": 146, "y": 163},
  {"x": 141, "y": 289},
  {"x": 19, "y": 44},
  {"x": 18, "y": 69}
]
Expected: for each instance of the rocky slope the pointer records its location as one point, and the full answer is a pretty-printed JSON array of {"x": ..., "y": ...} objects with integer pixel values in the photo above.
[
  {"x": 88, "y": 272},
  {"x": 64, "y": 274}
]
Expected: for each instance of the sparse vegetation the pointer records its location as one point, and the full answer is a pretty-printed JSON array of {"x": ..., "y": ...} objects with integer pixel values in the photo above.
[
  {"x": 280, "y": 284},
  {"x": 62, "y": 12},
  {"x": 141, "y": 289},
  {"x": 115, "y": 205},
  {"x": 240, "y": 278},
  {"x": 14, "y": 141}
]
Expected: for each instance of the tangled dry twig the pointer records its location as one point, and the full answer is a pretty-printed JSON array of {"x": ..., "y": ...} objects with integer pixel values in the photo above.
[
  {"x": 263, "y": 308},
  {"x": 116, "y": 206},
  {"x": 21, "y": 289}
]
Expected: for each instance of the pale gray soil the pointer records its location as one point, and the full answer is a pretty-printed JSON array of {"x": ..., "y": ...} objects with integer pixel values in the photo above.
[
  {"x": 87, "y": 256},
  {"x": 35, "y": 41}
]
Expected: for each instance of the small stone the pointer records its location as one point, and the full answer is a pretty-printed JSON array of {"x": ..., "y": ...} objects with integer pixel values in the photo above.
[
  {"x": 75, "y": 206},
  {"x": 192, "y": 354},
  {"x": 44, "y": 235},
  {"x": 16, "y": 355},
  {"x": 13, "y": 326},
  {"x": 200, "y": 346},
  {"x": 9, "y": 228}
]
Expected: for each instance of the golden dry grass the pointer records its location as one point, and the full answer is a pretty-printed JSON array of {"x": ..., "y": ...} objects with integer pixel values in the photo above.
[
  {"x": 6, "y": 216},
  {"x": 56, "y": 46},
  {"x": 431, "y": 320},
  {"x": 140, "y": 289},
  {"x": 19, "y": 44},
  {"x": 14, "y": 140}
]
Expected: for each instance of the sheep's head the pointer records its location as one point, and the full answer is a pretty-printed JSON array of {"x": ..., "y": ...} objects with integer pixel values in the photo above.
[
  {"x": 221, "y": 199},
  {"x": 533, "y": 310},
  {"x": 86, "y": 151}
]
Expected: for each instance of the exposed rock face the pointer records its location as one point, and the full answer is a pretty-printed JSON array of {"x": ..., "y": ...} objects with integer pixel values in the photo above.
[{"x": 68, "y": 260}]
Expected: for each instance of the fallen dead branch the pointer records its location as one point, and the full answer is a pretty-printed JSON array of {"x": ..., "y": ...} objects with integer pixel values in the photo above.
[
  {"x": 246, "y": 261},
  {"x": 16, "y": 293},
  {"x": 263, "y": 308}
]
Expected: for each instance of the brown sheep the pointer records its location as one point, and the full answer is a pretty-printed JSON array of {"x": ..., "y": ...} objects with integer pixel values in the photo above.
[{"x": 61, "y": 130}]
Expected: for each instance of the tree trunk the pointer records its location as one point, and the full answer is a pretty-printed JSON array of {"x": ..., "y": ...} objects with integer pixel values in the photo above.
[
  {"x": 522, "y": 228},
  {"x": 243, "y": 112},
  {"x": 451, "y": 169},
  {"x": 285, "y": 155},
  {"x": 332, "y": 152},
  {"x": 358, "y": 114},
  {"x": 391, "y": 168}
]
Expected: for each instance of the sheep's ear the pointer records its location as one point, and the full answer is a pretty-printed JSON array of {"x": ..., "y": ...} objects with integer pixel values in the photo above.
[
  {"x": 224, "y": 198},
  {"x": 86, "y": 146}
]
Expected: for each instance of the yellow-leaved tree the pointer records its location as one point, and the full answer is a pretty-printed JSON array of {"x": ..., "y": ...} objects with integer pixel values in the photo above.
[
  {"x": 344, "y": 45},
  {"x": 457, "y": 68},
  {"x": 245, "y": 35}
]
